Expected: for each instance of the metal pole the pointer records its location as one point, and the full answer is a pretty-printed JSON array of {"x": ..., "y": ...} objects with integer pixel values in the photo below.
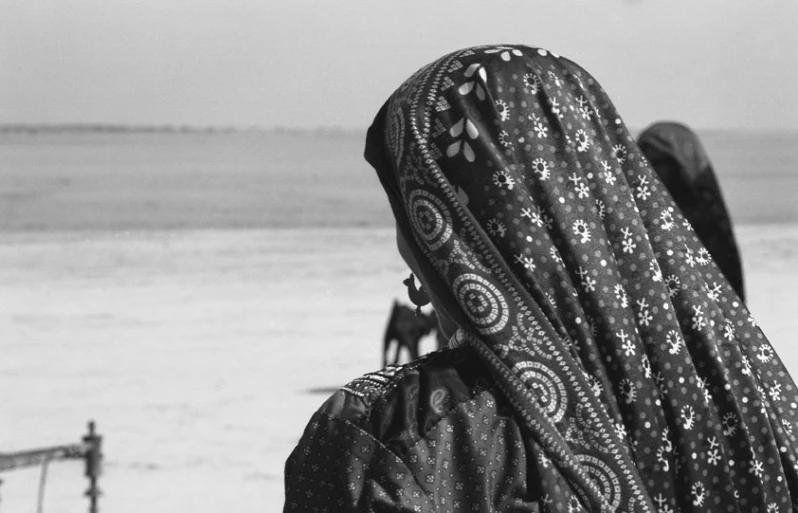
[
  {"x": 34, "y": 457},
  {"x": 90, "y": 449},
  {"x": 93, "y": 465},
  {"x": 42, "y": 484}
]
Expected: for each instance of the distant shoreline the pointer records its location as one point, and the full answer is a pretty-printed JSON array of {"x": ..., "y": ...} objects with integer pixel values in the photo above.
[
  {"x": 111, "y": 128},
  {"x": 102, "y": 128},
  {"x": 768, "y": 230},
  {"x": 139, "y": 178}
]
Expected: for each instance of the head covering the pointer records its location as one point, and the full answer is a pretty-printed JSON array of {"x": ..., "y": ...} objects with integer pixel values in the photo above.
[
  {"x": 679, "y": 159},
  {"x": 641, "y": 379}
]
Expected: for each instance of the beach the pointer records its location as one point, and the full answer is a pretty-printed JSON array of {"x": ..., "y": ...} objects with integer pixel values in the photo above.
[{"x": 200, "y": 296}]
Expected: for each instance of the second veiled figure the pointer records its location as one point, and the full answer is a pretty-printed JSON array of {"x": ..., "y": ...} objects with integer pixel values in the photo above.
[
  {"x": 601, "y": 362},
  {"x": 678, "y": 157}
]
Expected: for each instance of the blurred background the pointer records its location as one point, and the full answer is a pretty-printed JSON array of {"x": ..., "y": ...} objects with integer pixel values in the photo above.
[{"x": 194, "y": 254}]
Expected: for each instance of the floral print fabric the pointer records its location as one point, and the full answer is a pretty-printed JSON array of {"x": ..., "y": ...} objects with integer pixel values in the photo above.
[
  {"x": 621, "y": 347},
  {"x": 679, "y": 159},
  {"x": 429, "y": 436},
  {"x": 604, "y": 363}
]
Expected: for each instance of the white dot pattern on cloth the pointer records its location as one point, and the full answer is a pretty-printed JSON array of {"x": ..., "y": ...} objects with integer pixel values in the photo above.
[{"x": 619, "y": 343}]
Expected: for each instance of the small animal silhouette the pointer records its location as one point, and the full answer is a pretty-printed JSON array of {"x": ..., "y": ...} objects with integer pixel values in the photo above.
[{"x": 408, "y": 328}]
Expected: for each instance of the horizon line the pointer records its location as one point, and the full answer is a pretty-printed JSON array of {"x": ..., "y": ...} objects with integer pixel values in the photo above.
[
  {"x": 230, "y": 129},
  {"x": 169, "y": 128}
]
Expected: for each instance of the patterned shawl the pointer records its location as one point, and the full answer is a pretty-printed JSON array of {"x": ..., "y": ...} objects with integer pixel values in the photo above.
[
  {"x": 641, "y": 379},
  {"x": 682, "y": 165}
]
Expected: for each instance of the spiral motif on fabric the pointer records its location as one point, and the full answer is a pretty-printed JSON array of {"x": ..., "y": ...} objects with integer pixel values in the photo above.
[
  {"x": 396, "y": 134},
  {"x": 430, "y": 217},
  {"x": 547, "y": 386},
  {"x": 482, "y": 302},
  {"x": 603, "y": 477}
]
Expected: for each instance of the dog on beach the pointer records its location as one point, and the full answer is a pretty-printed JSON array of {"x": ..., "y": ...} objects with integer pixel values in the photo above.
[{"x": 407, "y": 329}]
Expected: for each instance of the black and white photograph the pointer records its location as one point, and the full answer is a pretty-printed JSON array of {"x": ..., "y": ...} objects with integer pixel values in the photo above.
[{"x": 350, "y": 256}]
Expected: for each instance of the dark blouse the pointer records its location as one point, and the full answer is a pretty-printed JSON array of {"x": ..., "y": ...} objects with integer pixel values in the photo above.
[{"x": 433, "y": 435}]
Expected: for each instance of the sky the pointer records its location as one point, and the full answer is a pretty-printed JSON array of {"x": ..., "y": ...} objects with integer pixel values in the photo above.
[{"x": 302, "y": 64}]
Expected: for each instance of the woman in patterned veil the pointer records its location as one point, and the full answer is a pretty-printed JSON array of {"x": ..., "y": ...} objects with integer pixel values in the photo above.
[
  {"x": 679, "y": 159},
  {"x": 601, "y": 361}
]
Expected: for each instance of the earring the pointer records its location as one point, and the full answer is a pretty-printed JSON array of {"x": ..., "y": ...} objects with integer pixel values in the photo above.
[{"x": 418, "y": 296}]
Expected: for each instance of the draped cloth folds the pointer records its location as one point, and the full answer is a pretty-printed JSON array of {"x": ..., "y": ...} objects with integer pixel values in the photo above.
[
  {"x": 679, "y": 159},
  {"x": 635, "y": 368}
]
